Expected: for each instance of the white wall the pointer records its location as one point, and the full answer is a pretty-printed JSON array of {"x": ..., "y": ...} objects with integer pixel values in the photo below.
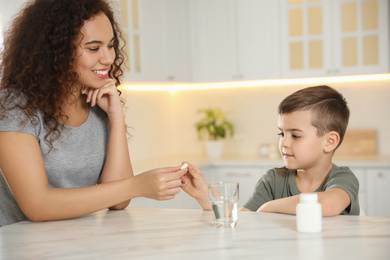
[
  {"x": 164, "y": 121},
  {"x": 149, "y": 117},
  {"x": 8, "y": 8},
  {"x": 7, "y": 11}
]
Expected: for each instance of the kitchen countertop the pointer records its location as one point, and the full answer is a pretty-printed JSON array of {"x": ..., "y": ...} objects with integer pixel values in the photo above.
[
  {"x": 253, "y": 160},
  {"x": 141, "y": 233}
]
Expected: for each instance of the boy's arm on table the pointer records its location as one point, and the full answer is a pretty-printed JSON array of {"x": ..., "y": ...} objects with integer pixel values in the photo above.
[{"x": 333, "y": 202}]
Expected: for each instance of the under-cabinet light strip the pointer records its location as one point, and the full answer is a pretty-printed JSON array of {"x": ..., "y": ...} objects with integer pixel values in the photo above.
[{"x": 139, "y": 86}]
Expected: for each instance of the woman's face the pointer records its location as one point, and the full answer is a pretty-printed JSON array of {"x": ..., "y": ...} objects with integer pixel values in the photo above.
[{"x": 95, "y": 53}]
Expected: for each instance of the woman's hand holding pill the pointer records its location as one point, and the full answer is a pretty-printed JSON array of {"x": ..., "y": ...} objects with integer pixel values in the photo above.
[{"x": 161, "y": 183}]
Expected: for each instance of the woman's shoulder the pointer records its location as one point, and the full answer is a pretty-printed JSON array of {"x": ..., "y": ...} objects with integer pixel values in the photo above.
[
  {"x": 13, "y": 116},
  {"x": 10, "y": 99}
]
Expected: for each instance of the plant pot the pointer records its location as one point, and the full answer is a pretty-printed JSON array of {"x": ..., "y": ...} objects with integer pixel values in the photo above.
[{"x": 214, "y": 149}]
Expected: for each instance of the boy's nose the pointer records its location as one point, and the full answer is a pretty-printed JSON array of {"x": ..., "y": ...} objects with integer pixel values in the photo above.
[{"x": 284, "y": 142}]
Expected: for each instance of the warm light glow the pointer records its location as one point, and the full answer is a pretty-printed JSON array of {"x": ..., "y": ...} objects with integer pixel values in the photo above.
[{"x": 245, "y": 84}]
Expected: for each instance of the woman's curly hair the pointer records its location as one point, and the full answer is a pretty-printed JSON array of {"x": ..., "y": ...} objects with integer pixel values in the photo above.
[{"x": 38, "y": 55}]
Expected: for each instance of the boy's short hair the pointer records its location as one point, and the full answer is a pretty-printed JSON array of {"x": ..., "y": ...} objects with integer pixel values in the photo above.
[{"x": 329, "y": 108}]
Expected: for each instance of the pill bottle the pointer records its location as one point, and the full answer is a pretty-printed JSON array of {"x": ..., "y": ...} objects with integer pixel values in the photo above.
[{"x": 309, "y": 213}]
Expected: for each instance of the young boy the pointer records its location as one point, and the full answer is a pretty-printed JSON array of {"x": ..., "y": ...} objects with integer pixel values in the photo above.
[{"x": 312, "y": 123}]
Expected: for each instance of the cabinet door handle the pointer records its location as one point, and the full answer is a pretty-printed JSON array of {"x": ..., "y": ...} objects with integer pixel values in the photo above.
[
  {"x": 380, "y": 175},
  {"x": 238, "y": 174}
]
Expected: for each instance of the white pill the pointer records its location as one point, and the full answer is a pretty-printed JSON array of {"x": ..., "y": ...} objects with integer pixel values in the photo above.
[{"x": 184, "y": 166}]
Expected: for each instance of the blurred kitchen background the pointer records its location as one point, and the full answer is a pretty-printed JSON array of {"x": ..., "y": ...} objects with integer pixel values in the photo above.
[
  {"x": 244, "y": 57},
  {"x": 252, "y": 49}
]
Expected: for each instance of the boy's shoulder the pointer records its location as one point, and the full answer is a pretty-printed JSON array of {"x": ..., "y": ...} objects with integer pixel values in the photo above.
[
  {"x": 280, "y": 173},
  {"x": 340, "y": 175},
  {"x": 283, "y": 171},
  {"x": 340, "y": 170}
]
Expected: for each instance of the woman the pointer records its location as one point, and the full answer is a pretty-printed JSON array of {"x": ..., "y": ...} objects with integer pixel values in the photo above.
[{"x": 62, "y": 127}]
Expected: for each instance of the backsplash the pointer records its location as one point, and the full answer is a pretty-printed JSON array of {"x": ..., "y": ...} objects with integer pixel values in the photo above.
[{"x": 163, "y": 122}]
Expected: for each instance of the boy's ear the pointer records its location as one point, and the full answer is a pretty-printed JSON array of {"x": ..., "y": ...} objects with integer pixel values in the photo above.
[{"x": 333, "y": 139}]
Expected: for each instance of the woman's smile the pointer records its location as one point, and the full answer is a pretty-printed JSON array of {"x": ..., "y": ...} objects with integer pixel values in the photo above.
[{"x": 103, "y": 73}]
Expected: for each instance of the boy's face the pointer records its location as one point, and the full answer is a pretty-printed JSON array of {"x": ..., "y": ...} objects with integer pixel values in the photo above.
[{"x": 299, "y": 144}]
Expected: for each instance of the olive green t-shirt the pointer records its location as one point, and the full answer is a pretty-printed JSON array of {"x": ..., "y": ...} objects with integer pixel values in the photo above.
[{"x": 280, "y": 183}]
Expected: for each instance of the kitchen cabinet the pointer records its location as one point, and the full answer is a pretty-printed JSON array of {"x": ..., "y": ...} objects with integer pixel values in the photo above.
[
  {"x": 225, "y": 40},
  {"x": 234, "y": 40},
  {"x": 157, "y": 40},
  {"x": 360, "y": 174},
  {"x": 130, "y": 23},
  {"x": 374, "y": 192},
  {"x": 331, "y": 38},
  {"x": 176, "y": 53},
  {"x": 378, "y": 191}
]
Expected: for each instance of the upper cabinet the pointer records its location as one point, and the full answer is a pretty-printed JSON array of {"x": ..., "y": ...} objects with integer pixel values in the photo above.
[
  {"x": 331, "y": 38},
  {"x": 225, "y": 40},
  {"x": 157, "y": 35},
  {"x": 212, "y": 40},
  {"x": 234, "y": 40}
]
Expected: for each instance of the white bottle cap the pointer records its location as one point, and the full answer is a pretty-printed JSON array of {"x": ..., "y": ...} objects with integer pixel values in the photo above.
[{"x": 308, "y": 197}]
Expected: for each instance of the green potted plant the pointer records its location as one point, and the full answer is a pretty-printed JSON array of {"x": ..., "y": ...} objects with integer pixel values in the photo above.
[{"x": 215, "y": 127}]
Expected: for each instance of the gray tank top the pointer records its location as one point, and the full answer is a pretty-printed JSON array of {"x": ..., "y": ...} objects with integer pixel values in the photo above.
[{"x": 76, "y": 160}]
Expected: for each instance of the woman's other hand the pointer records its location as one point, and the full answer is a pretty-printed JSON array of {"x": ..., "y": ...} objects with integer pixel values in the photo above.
[{"x": 106, "y": 97}]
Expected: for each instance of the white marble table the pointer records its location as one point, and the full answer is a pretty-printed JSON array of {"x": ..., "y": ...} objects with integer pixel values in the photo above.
[{"x": 142, "y": 233}]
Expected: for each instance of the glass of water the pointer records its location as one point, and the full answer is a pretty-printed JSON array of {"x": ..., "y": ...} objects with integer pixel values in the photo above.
[{"x": 224, "y": 203}]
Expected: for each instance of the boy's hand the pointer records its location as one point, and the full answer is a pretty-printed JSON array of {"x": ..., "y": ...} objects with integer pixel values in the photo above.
[{"x": 195, "y": 185}]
